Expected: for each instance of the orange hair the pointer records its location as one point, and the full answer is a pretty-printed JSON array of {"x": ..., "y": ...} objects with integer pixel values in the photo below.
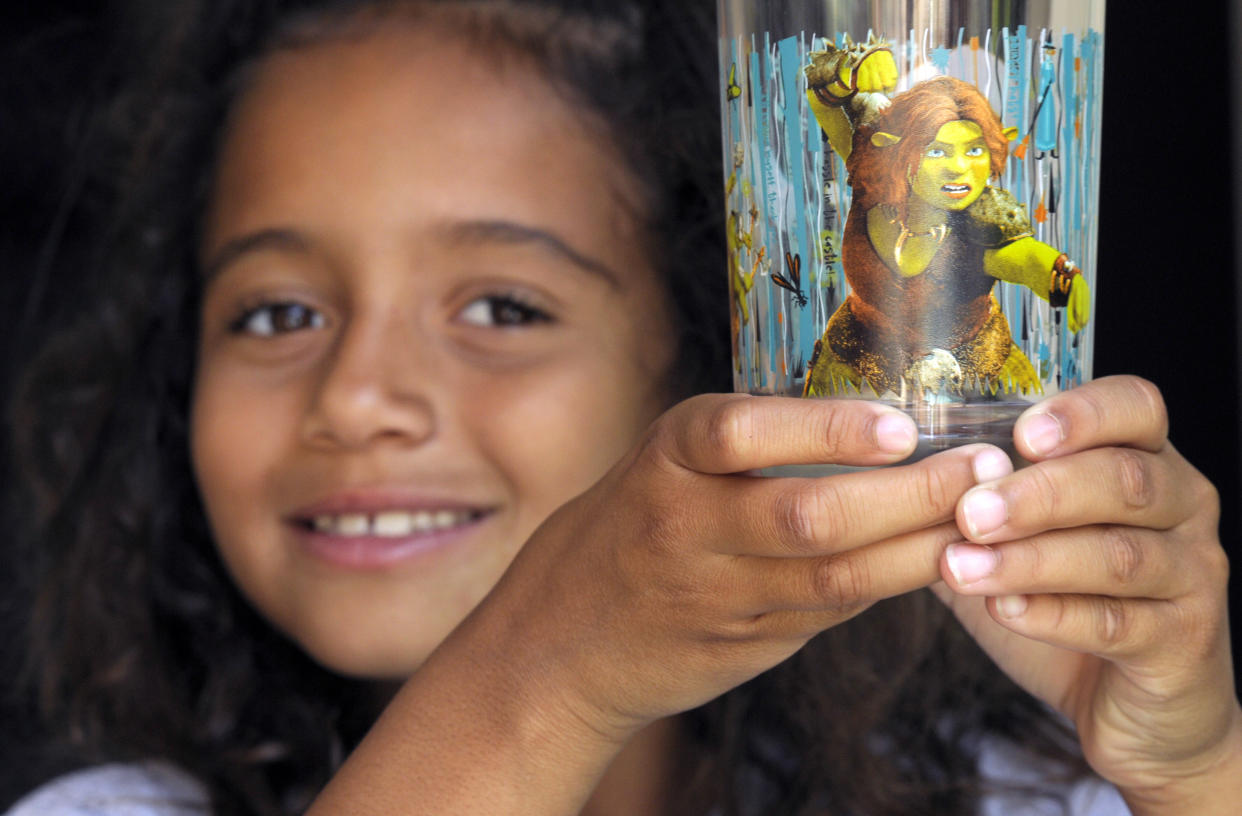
[{"x": 881, "y": 175}]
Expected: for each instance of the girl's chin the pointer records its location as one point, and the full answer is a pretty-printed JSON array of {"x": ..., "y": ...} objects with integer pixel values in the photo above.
[{"x": 386, "y": 668}]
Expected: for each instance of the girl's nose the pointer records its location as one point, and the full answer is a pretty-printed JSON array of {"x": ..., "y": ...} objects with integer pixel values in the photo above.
[{"x": 375, "y": 387}]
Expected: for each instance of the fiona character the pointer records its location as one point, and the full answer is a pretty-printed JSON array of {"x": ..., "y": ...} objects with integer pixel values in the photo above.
[{"x": 926, "y": 237}]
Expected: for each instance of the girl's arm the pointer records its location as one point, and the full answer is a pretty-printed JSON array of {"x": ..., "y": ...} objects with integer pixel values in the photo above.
[
  {"x": 675, "y": 578},
  {"x": 1096, "y": 579}
]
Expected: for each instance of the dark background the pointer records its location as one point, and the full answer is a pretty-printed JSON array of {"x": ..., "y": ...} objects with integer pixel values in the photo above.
[{"x": 1167, "y": 293}]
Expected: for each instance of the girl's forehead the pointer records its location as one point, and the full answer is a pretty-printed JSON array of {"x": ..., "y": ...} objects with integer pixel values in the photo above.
[
  {"x": 363, "y": 138},
  {"x": 399, "y": 88}
]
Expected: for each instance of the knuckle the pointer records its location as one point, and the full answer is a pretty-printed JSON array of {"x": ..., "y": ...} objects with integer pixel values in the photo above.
[
  {"x": 841, "y": 584},
  {"x": 1217, "y": 567},
  {"x": 937, "y": 490},
  {"x": 1147, "y": 396},
  {"x": 657, "y": 446},
  {"x": 805, "y": 518},
  {"x": 1027, "y": 553},
  {"x": 730, "y": 428},
  {"x": 1205, "y": 495},
  {"x": 1042, "y": 495},
  {"x": 794, "y": 525},
  {"x": 1123, "y": 555},
  {"x": 1206, "y": 631},
  {"x": 1094, "y": 410},
  {"x": 834, "y": 430},
  {"x": 1134, "y": 478},
  {"x": 1112, "y": 622},
  {"x": 658, "y": 532},
  {"x": 660, "y": 524}
]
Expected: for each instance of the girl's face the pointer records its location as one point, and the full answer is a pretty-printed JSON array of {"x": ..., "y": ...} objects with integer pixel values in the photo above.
[
  {"x": 427, "y": 322},
  {"x": 955, "y": 167}
]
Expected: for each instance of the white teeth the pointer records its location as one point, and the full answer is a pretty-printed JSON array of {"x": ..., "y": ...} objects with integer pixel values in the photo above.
[
  {"x": 389, "y": 523},
  {"x": 392, "y": 523},
  {"x": 353, "y": 524}
]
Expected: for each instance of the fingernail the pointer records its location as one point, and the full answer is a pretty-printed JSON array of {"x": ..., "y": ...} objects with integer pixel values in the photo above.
[
  {"x": 1011, "y": 606},
  {"x": 984, "y": 510},
  {"x": 991, "y": 464},
  {"x": 1042, "y": 433},
  {"x": 895, "y": 432},
  {"x": 970, "y": 563}
]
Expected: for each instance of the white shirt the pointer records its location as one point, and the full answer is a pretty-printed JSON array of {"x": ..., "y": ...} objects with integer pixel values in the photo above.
[
  {"x": 135, "y": 789},
  {"x": 160, "y": 789}
]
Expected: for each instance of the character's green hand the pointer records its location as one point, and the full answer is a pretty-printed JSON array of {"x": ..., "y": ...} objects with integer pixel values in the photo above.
[
  {"x": 1078, "y": 306},
  {"x": 877, "y": 73}
]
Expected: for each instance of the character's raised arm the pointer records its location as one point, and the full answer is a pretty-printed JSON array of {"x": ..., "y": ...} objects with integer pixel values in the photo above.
[{"x": 848, "y": 86}]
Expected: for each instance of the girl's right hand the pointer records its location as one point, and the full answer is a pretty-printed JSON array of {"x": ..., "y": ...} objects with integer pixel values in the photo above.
[
  {"x": 678, "y": 576},
  {"x": 682, "y": 574}
]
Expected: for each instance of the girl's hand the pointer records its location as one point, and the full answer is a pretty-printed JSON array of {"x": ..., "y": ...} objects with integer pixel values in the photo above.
[
  {"x": 683, "y": 574},
  {"x": 675, "y": 578},
  {"x": 1096, "y": 580}
]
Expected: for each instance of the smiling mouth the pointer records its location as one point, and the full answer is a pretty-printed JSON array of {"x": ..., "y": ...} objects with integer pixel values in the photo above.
[
  {"x": 390, "y": 523},
  {"x": 956, "y": 190}
]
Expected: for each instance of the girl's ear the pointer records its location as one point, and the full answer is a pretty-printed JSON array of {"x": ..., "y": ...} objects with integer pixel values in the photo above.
[
  {"x": 1011, "y": 133},
  {"x": 882, "y": 139}
]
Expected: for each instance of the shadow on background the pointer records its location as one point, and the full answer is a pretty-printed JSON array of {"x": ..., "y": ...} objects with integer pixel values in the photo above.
[{"x": 1168, "y": 299}]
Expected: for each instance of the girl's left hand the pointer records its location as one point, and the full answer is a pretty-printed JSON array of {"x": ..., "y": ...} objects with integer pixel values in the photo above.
[{"x": 1096, "y": 580}]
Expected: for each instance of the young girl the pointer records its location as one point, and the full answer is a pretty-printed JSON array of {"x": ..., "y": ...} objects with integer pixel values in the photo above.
[{"x": 379, "y": 426}]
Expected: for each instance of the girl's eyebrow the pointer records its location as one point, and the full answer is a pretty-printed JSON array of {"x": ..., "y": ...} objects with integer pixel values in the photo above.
[
  {"x": 499, "y": 231},
  {"x": 273, "y": 238},
  {"x": 495, "y": 231}
]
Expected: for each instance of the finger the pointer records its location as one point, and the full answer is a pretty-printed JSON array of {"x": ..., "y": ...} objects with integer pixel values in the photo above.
[
  {"x": 1103, "y": 486},
  {"x": 1124, "y": 411},
  {"x": 795, "y": 518},
  {"x": 1109, "y": 627},
  {"x": 717, "y": 433},
  {"x": 842, "y": 584},
  {"x": 1124, "y": 562}
]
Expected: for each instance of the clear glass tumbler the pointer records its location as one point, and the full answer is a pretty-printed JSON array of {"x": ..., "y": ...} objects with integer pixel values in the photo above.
[{"x": 911, "y": 202}]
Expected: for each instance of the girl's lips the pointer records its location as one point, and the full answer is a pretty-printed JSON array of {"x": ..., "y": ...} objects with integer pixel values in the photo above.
[
  {"x": 383, "y": 539},
  {"x": 956, "y": 191}
]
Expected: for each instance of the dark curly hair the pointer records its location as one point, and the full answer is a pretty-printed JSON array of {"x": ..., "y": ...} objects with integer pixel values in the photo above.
[{"x": 137, "y": 644}]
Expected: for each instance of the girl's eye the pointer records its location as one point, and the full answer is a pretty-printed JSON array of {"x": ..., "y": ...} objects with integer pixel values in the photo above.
[
  {"x": 502, "y": 311},
  {"x": 975, "y": 151},
  {"x": 935, "y": 153},
  {"x": 272, "y": 319}
]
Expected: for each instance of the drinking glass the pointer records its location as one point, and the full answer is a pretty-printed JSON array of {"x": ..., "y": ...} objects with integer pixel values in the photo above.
[{"x": 911, "y": 202}]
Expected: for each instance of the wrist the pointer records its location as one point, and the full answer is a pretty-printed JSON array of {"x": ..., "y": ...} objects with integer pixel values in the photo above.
[
  {"x": 1207, "y": 786},
  {"x": 474, "y": 732}
]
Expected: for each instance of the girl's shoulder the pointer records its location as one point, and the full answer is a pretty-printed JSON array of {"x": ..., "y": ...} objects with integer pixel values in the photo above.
[{"x": 131, "y": 789}]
